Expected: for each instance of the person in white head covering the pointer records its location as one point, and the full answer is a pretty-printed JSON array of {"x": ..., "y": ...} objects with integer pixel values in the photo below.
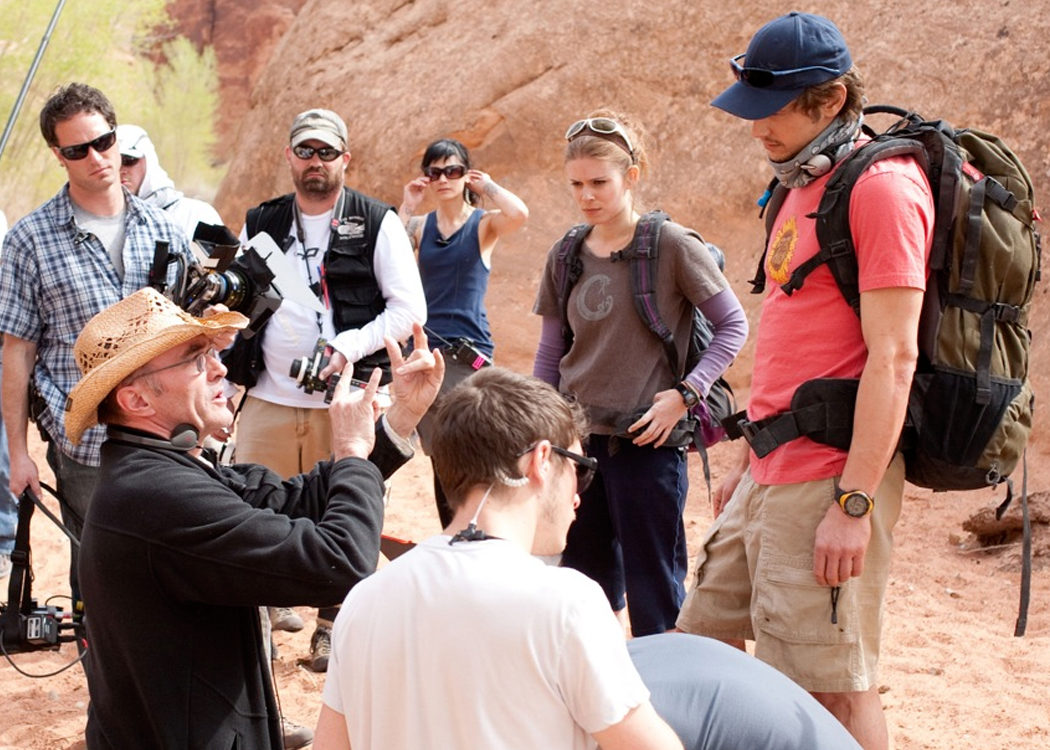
[{"x": 142, "y": 174}]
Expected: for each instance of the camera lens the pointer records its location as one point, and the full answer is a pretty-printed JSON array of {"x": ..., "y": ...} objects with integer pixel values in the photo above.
[
  {"x": 299, "y": 368},
  {"x": 235, "y": 291}
]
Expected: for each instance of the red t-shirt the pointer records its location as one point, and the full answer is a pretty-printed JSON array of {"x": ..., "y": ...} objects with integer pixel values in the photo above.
[{"x": 814, "y": 333}]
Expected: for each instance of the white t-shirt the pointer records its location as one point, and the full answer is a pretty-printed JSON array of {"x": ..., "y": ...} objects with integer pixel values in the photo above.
[
  {"x": 293, "y": 330},
  {"x": 478, "y": 645}
]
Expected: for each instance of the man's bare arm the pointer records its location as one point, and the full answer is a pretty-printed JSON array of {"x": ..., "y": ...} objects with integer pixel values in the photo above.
[
  {"x": 19, "y": 360},
  {"x": 641, "y": 729}
]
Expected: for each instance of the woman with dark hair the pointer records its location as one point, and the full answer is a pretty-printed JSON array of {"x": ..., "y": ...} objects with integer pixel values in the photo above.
[
  {"x": 628, "y": 534},
  {"x": 454, "y": 243}
]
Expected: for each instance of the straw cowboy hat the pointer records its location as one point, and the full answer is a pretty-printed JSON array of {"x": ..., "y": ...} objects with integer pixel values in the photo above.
[{"x": 124, "y": 337}]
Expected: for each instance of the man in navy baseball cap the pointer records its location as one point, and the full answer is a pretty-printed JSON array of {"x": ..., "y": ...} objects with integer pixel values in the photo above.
[
  {"x": 785, "y": 57},
  {"x": 798, "y": 557}
]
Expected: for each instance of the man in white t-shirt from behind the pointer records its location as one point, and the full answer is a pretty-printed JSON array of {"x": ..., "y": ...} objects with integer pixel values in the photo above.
[{"x": 470, "y": 641}]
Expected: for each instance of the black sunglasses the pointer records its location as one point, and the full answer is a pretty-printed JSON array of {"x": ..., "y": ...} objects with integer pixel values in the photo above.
[
  {"x": 327, "y": 153},
  {"x": 129, "y": 161},
  {"x": 452, "y": 172},
  {"x": 585, "y": 465},
  {"x": 101, "y": 144},
  {"x": 761, "y": 78}
]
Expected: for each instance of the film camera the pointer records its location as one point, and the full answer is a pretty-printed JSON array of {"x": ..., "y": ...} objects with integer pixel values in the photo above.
[
  {"x": 243, "y": 283},
  {"x": 306, "y": 372}
]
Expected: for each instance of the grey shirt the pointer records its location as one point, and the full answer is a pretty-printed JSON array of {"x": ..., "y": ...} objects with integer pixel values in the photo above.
[{"x": 717, "y": 697}]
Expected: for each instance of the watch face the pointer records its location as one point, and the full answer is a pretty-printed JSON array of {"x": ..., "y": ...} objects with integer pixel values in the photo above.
[
  {"x": 690, "y": 398},
  {"x": 856, "y": 505}
]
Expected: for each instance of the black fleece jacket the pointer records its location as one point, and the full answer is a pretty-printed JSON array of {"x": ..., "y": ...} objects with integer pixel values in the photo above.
[{"x": 176, "y": 556}]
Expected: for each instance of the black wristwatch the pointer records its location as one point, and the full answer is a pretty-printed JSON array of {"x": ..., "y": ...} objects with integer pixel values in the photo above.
[
  {"x": 688, "y": 395},
  {"x": 854, "y": 503}
]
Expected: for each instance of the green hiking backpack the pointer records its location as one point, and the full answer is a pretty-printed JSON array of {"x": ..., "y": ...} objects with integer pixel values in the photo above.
[{"x": 970, "y": 408}]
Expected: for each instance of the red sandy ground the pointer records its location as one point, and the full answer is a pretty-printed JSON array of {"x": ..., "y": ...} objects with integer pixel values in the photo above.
[{"x": 952, "y": 676}]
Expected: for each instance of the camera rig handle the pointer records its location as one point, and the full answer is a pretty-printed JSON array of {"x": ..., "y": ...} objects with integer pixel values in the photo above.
[{"x": 24, "y": 626}]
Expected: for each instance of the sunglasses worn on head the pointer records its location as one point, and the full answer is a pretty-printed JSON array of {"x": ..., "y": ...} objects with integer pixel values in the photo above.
[
  {"x": 101, "y": 144},
  {"x": 601, "y": 126},
  {"x": 326, "y": 153},
  {"x": 761, "y": 78},
  {"x": 452, "y": 172},
  {"x": 129, "y": 161}
]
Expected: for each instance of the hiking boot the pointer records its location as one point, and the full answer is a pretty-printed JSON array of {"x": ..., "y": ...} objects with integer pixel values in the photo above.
[
  {"x": 295, "y": 735},
  {"x": 285, "y": 618},
  {"x": 320, "y": 648}
]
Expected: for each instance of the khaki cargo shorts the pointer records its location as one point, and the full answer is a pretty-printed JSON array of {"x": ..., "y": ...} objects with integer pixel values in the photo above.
[{"x": 754, "y": 581}]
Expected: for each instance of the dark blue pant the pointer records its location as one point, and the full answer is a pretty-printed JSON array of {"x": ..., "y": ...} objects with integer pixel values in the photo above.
[
  {"x": 628, "y": 534},
  {"x": 75, "y": 483}
]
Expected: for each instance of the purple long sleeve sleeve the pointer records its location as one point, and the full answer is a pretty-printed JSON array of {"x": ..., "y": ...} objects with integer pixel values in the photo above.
[
  {"x": 730, "y": 324},
  {"x": 724, "y": 312},
  {"x": 549, "y": 352}
]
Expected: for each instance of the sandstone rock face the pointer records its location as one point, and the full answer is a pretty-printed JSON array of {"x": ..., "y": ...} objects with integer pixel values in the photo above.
[
  {"x": 243, "y": 35},
  {"x": 507, "y": 78}
]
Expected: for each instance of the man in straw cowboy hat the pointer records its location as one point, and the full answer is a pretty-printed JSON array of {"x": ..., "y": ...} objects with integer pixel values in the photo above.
[{"x": 178, "y": 553}]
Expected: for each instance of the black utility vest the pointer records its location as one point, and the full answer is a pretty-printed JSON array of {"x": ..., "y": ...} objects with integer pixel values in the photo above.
[{"x": 349, "y": 269}]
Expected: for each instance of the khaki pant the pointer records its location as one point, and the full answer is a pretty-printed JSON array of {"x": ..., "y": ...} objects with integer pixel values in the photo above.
[
  {"x": 285, "y": 439},
  {"x": 754, "y": 581}
]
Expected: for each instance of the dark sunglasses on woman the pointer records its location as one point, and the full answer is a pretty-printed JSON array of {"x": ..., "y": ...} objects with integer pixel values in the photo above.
[
  {"x": 101, "y": 144},
  {"x": 452, "y": 172}
]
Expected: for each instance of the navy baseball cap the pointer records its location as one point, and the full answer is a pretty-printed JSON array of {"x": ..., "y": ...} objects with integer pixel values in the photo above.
[{"x": 784, "y": 58}]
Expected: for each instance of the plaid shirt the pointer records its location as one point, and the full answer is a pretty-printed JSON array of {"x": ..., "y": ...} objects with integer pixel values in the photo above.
[{"x": 55, "y": 277}]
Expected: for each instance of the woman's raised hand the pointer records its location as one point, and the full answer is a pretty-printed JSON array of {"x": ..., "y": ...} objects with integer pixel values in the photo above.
[{"x": 412, "y": 196}]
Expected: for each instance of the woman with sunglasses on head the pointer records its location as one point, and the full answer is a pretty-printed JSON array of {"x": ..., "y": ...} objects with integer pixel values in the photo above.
[
  {"x": 629, "y": 535},
  {"x": 454, "y": 243}
]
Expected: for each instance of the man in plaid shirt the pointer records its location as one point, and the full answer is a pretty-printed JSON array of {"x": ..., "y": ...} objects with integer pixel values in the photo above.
[{"x": 86, "y": 248}]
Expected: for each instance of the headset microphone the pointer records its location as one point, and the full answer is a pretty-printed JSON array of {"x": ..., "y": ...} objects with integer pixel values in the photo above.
[{"x": 183, "y": 438}]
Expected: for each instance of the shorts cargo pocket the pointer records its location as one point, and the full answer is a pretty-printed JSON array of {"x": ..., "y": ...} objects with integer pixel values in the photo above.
[
  {"x": 792, "y": 607},
  {"x": 719, "y": 602}
]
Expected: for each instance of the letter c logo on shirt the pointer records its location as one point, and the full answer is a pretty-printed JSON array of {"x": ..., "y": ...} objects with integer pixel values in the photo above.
[{"x": 593, "y": 301}]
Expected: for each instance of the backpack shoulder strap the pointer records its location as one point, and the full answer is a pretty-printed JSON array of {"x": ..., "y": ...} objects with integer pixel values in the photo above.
[
  {"x": 569, "y": 268},
  {"x": 833, "y": 228},
  {"x": 834, "y": 233},
  {"x": 643, "y": 254},
  {"x": 769, "y": 204}
]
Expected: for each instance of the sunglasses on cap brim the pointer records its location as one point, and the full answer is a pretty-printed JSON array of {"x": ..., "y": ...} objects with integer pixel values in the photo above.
[{"x": 761, "y": 78}]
